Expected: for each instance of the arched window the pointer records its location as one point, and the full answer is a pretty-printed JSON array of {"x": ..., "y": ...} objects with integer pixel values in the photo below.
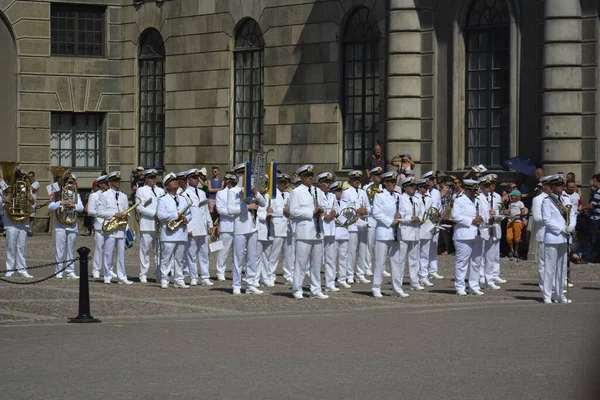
[
  {"x": 248, "y": 90},
  {"x": 152, "y": 99},
  {"x": 487, "y": 34},
  {"x": 361, "y": 87}
]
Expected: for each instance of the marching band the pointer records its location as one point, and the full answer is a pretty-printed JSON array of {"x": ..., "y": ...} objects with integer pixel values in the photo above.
[{"x": 304, "y": 227}]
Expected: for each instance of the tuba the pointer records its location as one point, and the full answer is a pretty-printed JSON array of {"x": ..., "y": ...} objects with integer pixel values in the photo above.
[
  {"x": 18, "y": 208},
  {"x": 68, "y": 192}
]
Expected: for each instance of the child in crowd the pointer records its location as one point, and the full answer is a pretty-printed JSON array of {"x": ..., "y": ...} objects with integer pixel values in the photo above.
[{"x": 514, "y": 227}]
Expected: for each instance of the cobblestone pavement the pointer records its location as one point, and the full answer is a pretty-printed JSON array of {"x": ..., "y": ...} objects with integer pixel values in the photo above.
[{"x": 55, "y": 300}]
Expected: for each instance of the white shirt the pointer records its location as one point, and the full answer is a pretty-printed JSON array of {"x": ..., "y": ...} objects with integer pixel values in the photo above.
[
  {"x": 426, "y": 204},
  {"x": 574, "y": 198},
  {"x": 201, "y": 218},
  {"x": 302, "y": 206},
  {"x": 436, "y": 198},
  {"x": 536, "y": 213},
  {"x": 385, "y": 206},
  {"x": 225, "y": 220},
  {"x": 514, "y": 209},
  {"x": 463, "y": 213},
  {"x": 341, "y": 232},
  {"x": 110, "y": 203},
  {"x": 92, "y": 211},
  {"x": 554, "y": 222},
  {"x": 280, "y": 221},
  {"x": 357, "y": 198},
  {"x": 55, "y": 205},
  {"x": 325, "y": 201},
  {"x": 168, "y": 210},
  {"x": 243, "y": 222},
  {"x": 147, "y": 213},
  {"x": 410, "y": 207},
  {"x": 482, "y": 207}
]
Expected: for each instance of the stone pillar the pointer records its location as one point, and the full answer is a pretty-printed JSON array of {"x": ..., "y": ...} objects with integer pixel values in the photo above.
[
  {"x": 403, "y": 114},
  {"x": 562, "y": 127}
]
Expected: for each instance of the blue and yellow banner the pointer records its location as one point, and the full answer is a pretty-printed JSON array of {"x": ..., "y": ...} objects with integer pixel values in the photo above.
[
  {"x": 272, "y": 179},
  {"x": 248, "y": 182}
]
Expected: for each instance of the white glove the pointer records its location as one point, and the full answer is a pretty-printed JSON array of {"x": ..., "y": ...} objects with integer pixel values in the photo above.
[
  {"x": 564, "y": 232},
  {"x": 569, "y": 229}
]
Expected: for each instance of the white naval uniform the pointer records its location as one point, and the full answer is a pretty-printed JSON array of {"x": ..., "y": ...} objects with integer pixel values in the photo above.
[
  {"x": 225, "y": 230},
  {"x": 172, "y": 242},
  {"x": 196, "y": 248},
  {"x": 555, "y": 246},
  {"x": 465, "y": 233},
  {"x": 480, "y": 267},
  {"x": 110, "y": 203},
  {"x": 326, "y": 201},
  {"x": 283, "y": 240},
  {"x": 428, "y": 250},
  {"x": 148, "y": 240},
  {"x": 309, "y": 248},
  {"x": 371, "y": 230},
  {"x": 341, "y": 243},
  {"x": 493, "y": 255},
  {"x": 409, "y": 236},
  {"x": 245, "y": 236},
  {"x": 64, "y": 237},
  {"x": 436, "y": 201},
  {"x": 16, "y": 235},
  {"x": 385, "y": 206},
  {"x": 92, "y": 211},
  {"x": 265, "y": 242},
  {"x": 536, "y": 213},
  {"x": 359, "y": 233}
]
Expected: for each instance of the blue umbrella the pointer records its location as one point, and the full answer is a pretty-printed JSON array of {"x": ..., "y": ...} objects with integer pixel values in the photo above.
[{"x": 521, "y": 164}]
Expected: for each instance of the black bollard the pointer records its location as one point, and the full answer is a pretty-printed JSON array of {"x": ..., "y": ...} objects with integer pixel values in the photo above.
[{"x": 84, "y": 289}]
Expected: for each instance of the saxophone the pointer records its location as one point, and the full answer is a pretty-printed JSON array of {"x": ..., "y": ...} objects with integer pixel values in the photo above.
[
  {"x": 114, "y": 223},
  {"x": 68, "y": 192},
  {"x": 176, "y": 223},
  {"x": 18, "y": 208}
]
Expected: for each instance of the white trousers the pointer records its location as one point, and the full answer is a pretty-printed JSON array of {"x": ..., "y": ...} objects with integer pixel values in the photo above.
[
  {"x": 371, "y": 248},
  {"x": 196, "y": 252},
  {"x": 385, "y": 249},
  {"x": 109, "y": 245},
  {"x": 148, "y": 242},
  {"x": 541, "y": 264},
  {"x": 358, "y": 240},
  {"x": 341, "y": 249},
  {"x": 227, "y": 239},
  {"x": 427, "y": 258},
  {"x": 477, "y": 263},
  {"x": 64, "y": 243},
  {"x": 263, "y": 272},
  {"x": 555, "y": 261},
  {"x": 287, "y": 245},
  {"x": 15, "y": 248},
  {"x": 410, "y": 251},
  {"x": 172, "y": 256},
  {"x": 98, "y": 252},
  {"x": 248, "y": 242},
  {"x": 496, "y": 250},
  {"x": 308, "y": 257},
  {"x": 275, "y": 255},
  {"x": 330, "y": 255},
  {"x": 464, "y": 257},
  {"x": 490, "y": 257}
]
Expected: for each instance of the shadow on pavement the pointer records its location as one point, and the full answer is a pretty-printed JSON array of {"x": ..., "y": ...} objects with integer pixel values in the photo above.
[
  {"x": 523, "y": 290},
  {"x": 538, "y": 299}
]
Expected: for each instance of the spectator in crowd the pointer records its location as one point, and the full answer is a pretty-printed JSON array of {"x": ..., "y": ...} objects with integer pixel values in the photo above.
[
  {"x": 403, "y": 162},
  {"x": 514, "y": 227},
  {"x": 572, "y": 192},
  {"x": 215, "y": 184},
  {"x": 375, "y": 160},
  {"x": 137, "y": 181},
  {"x": 539, "y": 173},
  {"x": 592, "y": 210}
]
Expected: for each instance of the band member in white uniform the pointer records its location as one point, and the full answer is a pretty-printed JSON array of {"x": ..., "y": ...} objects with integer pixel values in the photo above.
[
  {"x": 283, "y": 243},
  {"x": 464, "y": 213},
  {"x": 172, "y": 207},
  {"x": 111, "y": 204},
  {"x": 65, "y": 235},
  {"x": 357, "y": 198},
  {"x": 148, "y": 196},
  {"x": 436, "y": 202},
  {"x": 375, "y": 177},
  {"x": 387, "y": 207},
  {"x": 495, "y": 202},
  {"x": 536, "y": 213},
  {"x": 92, "y": 210},
  {"x": 559, "y": 223},
  {"x": 482, "y": 245},
  {"x": 265, "y": 239},
  {"x": 410, "y": 210},
  {"x": 198, "y": 228},
  {"x": 245, "y": 235},
  {"x": 306, "y": 218},
  {"x": 225, "y": 226},
  {"x": 486, "y": 201},
  {"x": 181, "y": 181},
  {"x": 16, "y": 233},
  {"x": 427, "y": 248},
  {"x": 326, "y": 201},
  {"x": 341, "y": 236}
]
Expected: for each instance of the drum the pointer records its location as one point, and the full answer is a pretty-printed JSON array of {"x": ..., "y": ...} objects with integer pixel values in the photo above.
[{"x": 129, "y": 238}]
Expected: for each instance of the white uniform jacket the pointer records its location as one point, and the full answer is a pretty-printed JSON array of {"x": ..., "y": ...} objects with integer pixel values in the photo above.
[
  {"x": 201, "y": 218},
  {"x": 326, "y": 202},
  {"x": 483, "y": 207},
  {"x": 263, "y": 228},
  {"x": 426, "y": 204},
  {"x": 55, "y": 205},
  {"x": 436, "y": 198},
  {"x": 341, "y": 232},
  {"x": 385, "y": 206},
  {"x": 536, "y": 213},
  {"x": 495, "y": 203},
  {"x": 463, "y": 213},
  {"x": 92, "y": 209},
  {"x": 302, "y": 206},
  {"x": 167, "y": 211},
  {"x": 371, "y": 220},
  {"x": 555, "y": 224},
  {"x": 357, "y": 198},
  {"x": 110, "y": 203},
  {"x": 225, "y": 220},
  {"x": 6, "y": 220},
  {"x": 409, "y": 207},
  {"x": 280, "y": 221},
  {"x": 147, "y": 213},
  {"x": 243, "y": 222}
]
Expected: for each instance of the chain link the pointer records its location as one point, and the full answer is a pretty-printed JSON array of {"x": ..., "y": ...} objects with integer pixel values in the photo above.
[{"x": 67, "y": 264}]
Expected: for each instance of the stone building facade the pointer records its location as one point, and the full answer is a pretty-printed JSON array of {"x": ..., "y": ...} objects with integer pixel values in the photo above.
[{"x": 172, "y": 84}]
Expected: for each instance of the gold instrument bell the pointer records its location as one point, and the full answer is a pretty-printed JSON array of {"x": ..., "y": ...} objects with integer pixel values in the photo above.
[
  {"x": 68, "y": 192},
  {"x": 18, "y": 208}
]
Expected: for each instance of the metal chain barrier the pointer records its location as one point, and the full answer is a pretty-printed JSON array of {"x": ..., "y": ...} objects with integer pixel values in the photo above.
[{"x": 67, "y": 264}]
